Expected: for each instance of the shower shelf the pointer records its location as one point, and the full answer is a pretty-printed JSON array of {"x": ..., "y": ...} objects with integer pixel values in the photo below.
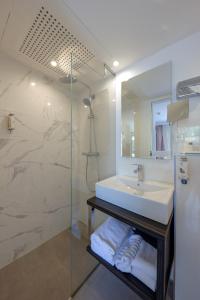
[{"x": 158, "y": 235}]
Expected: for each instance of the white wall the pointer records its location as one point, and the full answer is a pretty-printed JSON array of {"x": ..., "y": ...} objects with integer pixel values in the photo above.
[
  {"x": 34, "y": 160},
  {"x": 185, "y": 58}
]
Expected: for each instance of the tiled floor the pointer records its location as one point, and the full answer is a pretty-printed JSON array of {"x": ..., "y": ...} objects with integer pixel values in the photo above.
[
  {"x": 103, "y": 285},
  {"x": 44, "y": 274}
]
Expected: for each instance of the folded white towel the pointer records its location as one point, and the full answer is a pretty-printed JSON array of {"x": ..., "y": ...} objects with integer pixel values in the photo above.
[
  {"x": 144, "y": 266},
  {"x": 127, "y": 252},
  {"x": 108, "y": 237},
  {"x": 146, "y": 279}
]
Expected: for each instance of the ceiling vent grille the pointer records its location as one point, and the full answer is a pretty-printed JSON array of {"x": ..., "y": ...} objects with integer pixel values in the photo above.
[{"x": 47, "y": 40}]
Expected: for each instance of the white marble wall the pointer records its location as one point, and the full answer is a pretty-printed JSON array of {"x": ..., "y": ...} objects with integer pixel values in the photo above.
[{"x": 34, "y": 160}]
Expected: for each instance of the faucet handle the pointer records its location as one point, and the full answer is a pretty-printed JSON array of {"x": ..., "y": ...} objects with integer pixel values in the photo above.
[
  {"x": 140, "y": 166},
  {"x": 139, "y": 171}
]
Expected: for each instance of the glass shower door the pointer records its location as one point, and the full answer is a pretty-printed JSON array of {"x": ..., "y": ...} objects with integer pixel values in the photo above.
[{"x": 92, "y": 155}]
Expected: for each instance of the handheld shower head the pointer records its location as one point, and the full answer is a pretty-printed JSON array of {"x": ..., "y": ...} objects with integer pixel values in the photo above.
[{"x": 87, "y": 102}]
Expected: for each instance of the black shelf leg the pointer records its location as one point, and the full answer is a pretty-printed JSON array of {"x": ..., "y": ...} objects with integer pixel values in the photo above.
[
  {"x": 161, "y": 270},
  {"x": 91, "y": 213}
]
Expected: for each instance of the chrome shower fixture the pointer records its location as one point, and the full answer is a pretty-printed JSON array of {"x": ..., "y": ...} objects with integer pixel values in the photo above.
[
  {"x": 68, "y": 79},
  {"x": 72, "y": 79},
  {"x": 87, "y": 102}
]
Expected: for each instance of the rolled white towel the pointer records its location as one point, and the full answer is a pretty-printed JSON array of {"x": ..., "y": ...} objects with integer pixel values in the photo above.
[
  {"x": 108, "y": 237},
  {"x": 127, "y": 252},
  {"x": 144, "y": 266}
]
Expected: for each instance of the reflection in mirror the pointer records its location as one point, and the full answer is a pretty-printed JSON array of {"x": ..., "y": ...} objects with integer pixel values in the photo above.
[
  {"x": 146, "y": 133},
  {"x": 178, "y": 110}
]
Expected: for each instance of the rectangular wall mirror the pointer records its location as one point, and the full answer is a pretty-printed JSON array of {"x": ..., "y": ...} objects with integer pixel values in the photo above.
[{"x": 146, "y": 133}]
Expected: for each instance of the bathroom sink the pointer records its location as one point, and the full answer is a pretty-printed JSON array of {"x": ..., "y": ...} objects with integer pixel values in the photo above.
[
  {"x": 139, "y": 187},
  {"x": 151, "y": 199}
]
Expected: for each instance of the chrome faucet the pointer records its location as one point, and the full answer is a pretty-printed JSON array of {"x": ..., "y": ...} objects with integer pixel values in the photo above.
[{"x": 139, "y": 171}]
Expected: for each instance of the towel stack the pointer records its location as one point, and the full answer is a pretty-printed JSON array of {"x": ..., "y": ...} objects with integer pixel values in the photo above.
[
  {"x": 144, "y": 266},
  {"x": 117, "y": 243},
  {"x": 108, "y": 238}
]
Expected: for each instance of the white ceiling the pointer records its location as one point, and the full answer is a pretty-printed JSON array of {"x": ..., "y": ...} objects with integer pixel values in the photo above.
[
  {"x": 125, "y": 30},
  {"x": 20, "y": 29},
  {"x": 130, "y": 30}
]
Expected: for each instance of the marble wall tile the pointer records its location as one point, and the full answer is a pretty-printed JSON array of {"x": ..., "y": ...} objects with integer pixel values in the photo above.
[{"x": 34, "y": 160}]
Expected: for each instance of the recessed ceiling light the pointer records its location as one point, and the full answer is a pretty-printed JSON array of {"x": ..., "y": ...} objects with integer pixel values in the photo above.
[
  {"x": 115, "y": 63},
  {"x": 33, "y": 83},
  {"x": 54, "y": 63},
  {"x": 49, "y": 103}
]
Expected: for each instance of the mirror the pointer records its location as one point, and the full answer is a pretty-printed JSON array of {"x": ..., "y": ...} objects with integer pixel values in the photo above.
[{"x": 146, "y": 133}]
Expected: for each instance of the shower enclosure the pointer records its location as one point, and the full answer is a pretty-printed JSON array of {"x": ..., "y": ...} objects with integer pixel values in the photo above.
[
  {"x": 62, "y": 143},
  {"x": 60, "y": 104},
  {"x": 92, "y": 154}
]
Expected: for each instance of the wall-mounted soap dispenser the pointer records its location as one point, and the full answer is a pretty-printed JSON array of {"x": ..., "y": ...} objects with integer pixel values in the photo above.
[
  {"x": 11, "y": 122},
  {"x": 183, "y": 169}
]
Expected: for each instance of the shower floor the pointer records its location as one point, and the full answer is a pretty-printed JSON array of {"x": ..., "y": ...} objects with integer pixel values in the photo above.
[{"x": 44, "y": 273}]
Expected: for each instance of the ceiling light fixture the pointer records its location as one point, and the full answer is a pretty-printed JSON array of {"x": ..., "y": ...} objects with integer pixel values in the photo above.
[
  {"x": 33, "y": 83},
  {"x": 54, "y": 63},
  {"x": 115, "y": 63}
]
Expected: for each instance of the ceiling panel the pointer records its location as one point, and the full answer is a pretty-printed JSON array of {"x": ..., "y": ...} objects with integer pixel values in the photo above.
[
  {"x": 127, "y": 30},
  {"x": 35, "y": 32}
]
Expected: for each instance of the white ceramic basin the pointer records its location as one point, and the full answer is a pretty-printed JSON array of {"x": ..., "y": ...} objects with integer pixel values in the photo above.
[{"x": 150, "y": 199}]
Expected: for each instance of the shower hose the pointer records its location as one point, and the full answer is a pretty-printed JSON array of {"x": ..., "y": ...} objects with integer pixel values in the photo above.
[{"x": 86, "y": 174}]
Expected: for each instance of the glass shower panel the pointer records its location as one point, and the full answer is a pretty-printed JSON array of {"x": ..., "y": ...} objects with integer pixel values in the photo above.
[{"x": 93, "y": 155}]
